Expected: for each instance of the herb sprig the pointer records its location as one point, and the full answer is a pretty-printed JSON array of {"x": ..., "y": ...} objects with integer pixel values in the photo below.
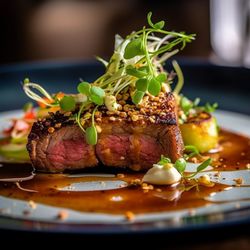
[
  {"x": 181, "y": 164},
  {"x": 193, "y": 108},
  {"x": 136, "y": 64}
]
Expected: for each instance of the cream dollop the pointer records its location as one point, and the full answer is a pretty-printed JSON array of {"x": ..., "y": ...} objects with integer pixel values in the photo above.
[{"x": 162, "y": 175}]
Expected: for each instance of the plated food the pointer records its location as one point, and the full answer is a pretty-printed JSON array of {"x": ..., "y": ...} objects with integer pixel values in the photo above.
[{"x": 132, "y": 123}]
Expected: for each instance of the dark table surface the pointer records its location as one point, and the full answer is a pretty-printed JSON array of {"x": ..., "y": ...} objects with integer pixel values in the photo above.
[{"x": 229, "y": 86}]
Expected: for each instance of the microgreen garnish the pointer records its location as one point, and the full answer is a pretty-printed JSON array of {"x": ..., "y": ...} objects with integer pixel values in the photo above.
[
  {"x": 158, "y": 25},
  {"x": 181, "y": 164},
  {"x": 163, "y": 160},
  {"x": 191, "y": 151},
  {"x": 27, "y": 106},
  {"x": 210, "y": 108},
  {"x": 91, "y": 132},
  {"x": 192, "y": 108},
  {"x": 91, "y": 135},
  {"x": 135, "y": 67},
  {"x": 200, "y": 168},
  {"x": 67, "y": 103}
]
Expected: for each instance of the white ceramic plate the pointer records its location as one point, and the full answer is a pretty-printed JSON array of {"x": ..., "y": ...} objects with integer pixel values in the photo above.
[{"x": 45, "y": 215}]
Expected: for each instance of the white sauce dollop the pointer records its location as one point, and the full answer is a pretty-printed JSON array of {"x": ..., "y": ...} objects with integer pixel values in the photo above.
[{"x": 162, "y": 175}]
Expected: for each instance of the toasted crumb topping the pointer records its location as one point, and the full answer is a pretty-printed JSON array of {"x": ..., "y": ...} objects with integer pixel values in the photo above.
[
  {"x": 130, "y": 216},
  {"x": 120, "y": 175},
  {"x": 51, "y": 130},
  {"x": 32, "y": 204},
  {"x": 62, "y": 215},
  {"x": 238, "y": 181},
  {"x": 192, "y": 212}
]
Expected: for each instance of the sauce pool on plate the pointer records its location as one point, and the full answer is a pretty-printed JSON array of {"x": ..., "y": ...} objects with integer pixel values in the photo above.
[{"x": 117, "y": 193}]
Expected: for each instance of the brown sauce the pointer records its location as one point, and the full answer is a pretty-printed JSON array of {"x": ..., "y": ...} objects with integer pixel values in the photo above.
[{"x": 234, "y": 154}]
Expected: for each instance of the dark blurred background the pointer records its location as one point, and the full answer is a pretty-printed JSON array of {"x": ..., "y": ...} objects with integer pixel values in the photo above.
[
  {"x": 78, "y": 29},
  {"x": 54, "y": 42}
]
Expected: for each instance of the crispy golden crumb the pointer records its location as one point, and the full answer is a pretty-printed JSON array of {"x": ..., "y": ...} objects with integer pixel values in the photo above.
[
  {"x": 103, "y": 183},
  {"x": 135, "y": 182},
  {"x": 129, "y": 215},
  {"x": 217, "y": 174},
  {"x": 238, "y": 181},
  {"x": 58, "y": 125},
  {"x": 204, "y": 180},
  {"x": 151, "y": 119},
  {"x": 158, "y": 190},
  {"x": 32, "y": 204},
  {"x": 62, "y": 215},
  {"x": 112, "y": 118},
  {"x": 192, "y": 212},
  {"x": 98, "y": 129},
  {"x": 248, "y": 166},
  {"x": 145, "y": 186},
  {"x": 194, "y": 160},
  {"x": 120, "y": 175},
  {"x": 51, "y": 130}
]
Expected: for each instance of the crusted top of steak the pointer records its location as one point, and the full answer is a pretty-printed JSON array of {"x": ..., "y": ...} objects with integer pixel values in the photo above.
[
  {"x": 133, "y": 137},
  {"x": 156, "y": 110}
]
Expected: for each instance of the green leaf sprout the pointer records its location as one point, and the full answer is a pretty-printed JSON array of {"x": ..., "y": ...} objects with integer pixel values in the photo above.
[
  {"x": 67, "y": 103},
  {"x": 136, "y": 64}
]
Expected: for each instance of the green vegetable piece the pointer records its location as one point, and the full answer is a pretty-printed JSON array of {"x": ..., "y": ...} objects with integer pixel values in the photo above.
[
  {"x": 130, "y": 70},
  {"x": 137, "y": 97},
  {"x": 67, "y": 103},
  {"x": 84, "y": 88},
  {"x": 203, "y": 165},
  {"x": 97, "y": 95},
  {"x": 164, "y": 160},
  {"x": 16, "y": 152},
  {"x": 142, "y": 84},
  {"x": 154, "y": 87},
  {"x": 196, "y": 101},
  {"x": 191, "y": 149},
  {"x": 28, "y": 106},
  {"x": 133, "y": 48},
  {"x": 91, "y": 135},
  {"x": 97, "y": 91},
  {"x": 210, "y": 108},
  {"x": 144, "y": 69},
  {"x": 158, "y": 25},
  {"x": 180, "y": 165},
  {"x": 162, "y": 77},
  {"x": 186, "y": 104}
]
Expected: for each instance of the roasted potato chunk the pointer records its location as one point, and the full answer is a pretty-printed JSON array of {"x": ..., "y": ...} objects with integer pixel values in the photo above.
[{"x": 200, "y": 131}]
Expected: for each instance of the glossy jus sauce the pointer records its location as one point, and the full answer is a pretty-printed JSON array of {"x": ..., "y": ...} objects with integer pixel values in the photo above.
[{"x": 59, "y": 189}]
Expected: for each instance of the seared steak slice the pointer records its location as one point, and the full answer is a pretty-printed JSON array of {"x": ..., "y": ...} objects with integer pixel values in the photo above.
[
  {"x": 125, "y": 145},
  {"x": 57, "y": 143}
]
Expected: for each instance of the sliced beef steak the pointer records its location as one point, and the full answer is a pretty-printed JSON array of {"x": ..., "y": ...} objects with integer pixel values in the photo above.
[{"x": 56, "y": 144}]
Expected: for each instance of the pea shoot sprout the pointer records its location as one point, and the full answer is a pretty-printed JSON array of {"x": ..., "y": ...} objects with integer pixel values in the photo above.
[{"x": 135, "y": 65}]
